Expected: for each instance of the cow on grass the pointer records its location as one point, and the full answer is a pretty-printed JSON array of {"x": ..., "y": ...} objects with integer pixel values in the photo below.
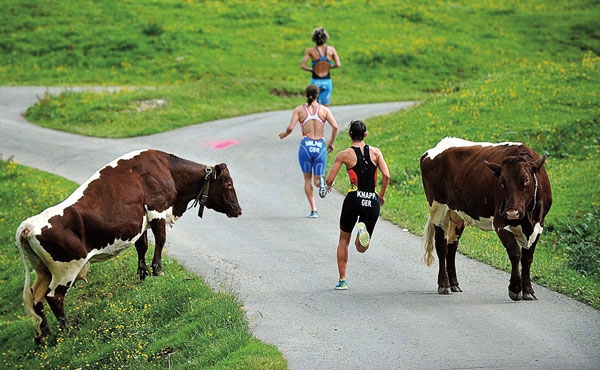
[{"x": 146, "y": 189}]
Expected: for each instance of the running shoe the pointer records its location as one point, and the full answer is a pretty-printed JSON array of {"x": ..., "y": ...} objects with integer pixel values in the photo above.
[
  {"x": 363, "y": 235},
  {"x": 342, "y": 285},
  {"x": 322, "y": 187},
  {"x": 313, "y": 214}
]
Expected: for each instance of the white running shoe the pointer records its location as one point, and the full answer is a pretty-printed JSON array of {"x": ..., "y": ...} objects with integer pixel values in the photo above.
[
  {"x": 322, "y": 187},
  {"x": 363, "y": 235},
  {"x": 313, "y": 214}
]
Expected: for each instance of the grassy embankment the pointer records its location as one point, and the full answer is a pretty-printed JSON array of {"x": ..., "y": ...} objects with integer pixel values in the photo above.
[
  {"x": 517, "y": 71},
  {"x": 175, "y": 321}
]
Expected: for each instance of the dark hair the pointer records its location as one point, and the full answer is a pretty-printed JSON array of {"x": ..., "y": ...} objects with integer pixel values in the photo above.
[
  {"x": 357, "y": 130},
  {"x": 312, "y": 93},
  {"x": 320, "y": 36}
]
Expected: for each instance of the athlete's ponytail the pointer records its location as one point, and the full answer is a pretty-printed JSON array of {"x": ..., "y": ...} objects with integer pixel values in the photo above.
[{"x": 312, "y": 93}]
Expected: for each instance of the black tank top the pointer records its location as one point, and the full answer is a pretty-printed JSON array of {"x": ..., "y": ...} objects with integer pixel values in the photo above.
[{"x": 363, "y": 175}]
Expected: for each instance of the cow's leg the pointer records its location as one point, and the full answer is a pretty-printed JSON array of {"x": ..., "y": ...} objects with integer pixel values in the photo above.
[
  {"x": 141, "y": 246},
  {"x": 514, "y": 255},
  {"x": 57, "y": 304},
  {"x": 160, "y": 237},
  {"x": 451, "y": 258},
  {"x": 441, "y": 247},
  {"x": 39, "y": 290},
  {"x": 526, "y": 261}
]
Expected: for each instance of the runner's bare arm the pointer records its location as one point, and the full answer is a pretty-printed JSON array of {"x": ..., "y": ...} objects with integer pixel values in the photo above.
[
  {"x": 295, "y": 118},
  {"x": 385, "y": 176},
  {"x": 341, "y": 158},
  {"x": 337, "y": 164},
  {"x": 334, "y": 129},
  {"x": 336, "y": 59},
  {"x": 304, "y": 60}
]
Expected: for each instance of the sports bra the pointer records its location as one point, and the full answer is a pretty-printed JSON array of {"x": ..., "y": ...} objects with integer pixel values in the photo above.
[{"x": 314, "y": 116}]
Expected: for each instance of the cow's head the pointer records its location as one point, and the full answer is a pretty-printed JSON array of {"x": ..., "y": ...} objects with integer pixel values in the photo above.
[
  {"x": 518, "y": 179},
  {"x": 221, "y": 194}
]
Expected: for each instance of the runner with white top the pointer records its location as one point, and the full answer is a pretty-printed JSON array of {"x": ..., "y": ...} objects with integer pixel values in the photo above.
[{"x": 312, "y": 154}]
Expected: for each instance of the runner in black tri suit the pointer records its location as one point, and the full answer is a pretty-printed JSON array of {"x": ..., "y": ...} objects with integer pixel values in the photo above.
[{"x": 362, "y": 203}]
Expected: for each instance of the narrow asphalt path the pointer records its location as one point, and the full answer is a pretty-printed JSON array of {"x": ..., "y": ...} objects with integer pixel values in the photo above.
[{"x": 282, "y": 264}]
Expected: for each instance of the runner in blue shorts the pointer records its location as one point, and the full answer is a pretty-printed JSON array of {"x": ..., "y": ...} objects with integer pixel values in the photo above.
[
  {"x": 326, "y": 87},
  {"x": 362, "y": 203},
  {"x": 312, "y": 154},
  {"x": 323, "y": 58}
]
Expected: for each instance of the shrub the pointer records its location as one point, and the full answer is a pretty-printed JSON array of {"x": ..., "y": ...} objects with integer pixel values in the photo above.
[{"x": 581, "y": 238}]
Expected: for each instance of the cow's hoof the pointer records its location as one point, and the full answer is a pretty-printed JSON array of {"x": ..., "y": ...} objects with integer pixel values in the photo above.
[
  {"x": 529, "y": 297},
  {"x": 515, "y": 296},
  {"x": 39, "y": 340},
  {"x": 443, "y": 290},
  {"x": 158, "y": 273},
  {"x": 455, "y": 289}
]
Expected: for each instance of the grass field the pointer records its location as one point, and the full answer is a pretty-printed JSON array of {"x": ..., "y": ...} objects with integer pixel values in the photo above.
[{"x": 525, "y": 71}]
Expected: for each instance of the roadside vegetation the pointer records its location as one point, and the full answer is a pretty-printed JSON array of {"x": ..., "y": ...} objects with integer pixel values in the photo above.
[
  {"x": 172, "y": 322},
  {"x": 525, "y": 71}
]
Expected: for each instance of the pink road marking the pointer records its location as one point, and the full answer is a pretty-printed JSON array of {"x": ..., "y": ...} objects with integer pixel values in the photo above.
[{"x": 221, "y": 144}]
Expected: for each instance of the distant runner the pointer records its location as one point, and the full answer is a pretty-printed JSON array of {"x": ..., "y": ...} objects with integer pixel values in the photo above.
[
  {"x": 312, "y": 154},
  {"x": 323, "y": 59},
  {"x": 362, "y": 203}
]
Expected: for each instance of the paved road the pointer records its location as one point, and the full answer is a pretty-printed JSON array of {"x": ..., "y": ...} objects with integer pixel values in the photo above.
[{"x": 282, "y": 264}]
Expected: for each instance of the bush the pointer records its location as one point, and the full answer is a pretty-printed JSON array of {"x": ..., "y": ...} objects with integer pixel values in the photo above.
[{"x": 581, "y": 238}]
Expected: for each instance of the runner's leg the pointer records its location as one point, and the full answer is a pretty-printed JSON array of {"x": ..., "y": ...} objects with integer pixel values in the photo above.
[
  {"x": 308, "y": 190},
  {"x": 342, "y": 253},
  {"x": 305, "y": 161}
]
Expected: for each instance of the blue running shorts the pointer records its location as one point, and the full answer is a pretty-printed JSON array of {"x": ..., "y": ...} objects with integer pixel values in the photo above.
[
  {"x": 312, "y": 156},
  {"x": 325, "y": 89}
]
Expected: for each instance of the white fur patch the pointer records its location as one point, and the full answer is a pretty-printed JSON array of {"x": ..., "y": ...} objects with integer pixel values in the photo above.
[
  {"x": 111, "y": 250},
  {"x": 520, "y": 237},
  {"x": 446, "y": 218},
  {"x": 166, "y": 215},
  {"x": 453, "y": 142},
  {"x": 485, "y": 224}
]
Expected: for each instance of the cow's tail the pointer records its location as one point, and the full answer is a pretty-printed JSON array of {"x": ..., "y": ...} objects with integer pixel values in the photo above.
[
  {"x": 22, "y": 242},
  {"x": 428, "y": 242}
]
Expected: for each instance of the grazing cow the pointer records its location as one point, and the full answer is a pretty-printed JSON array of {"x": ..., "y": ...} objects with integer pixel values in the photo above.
[
  {"x": 502, "y": 187},
  {"x": 142, "y": 190}
]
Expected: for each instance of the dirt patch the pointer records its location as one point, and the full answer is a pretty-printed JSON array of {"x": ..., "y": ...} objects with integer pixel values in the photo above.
[{"x": 286, "y": 93}]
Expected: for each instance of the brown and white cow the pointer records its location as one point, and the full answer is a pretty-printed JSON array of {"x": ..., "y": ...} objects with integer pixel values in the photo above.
[
  {"x": 112, "y": 210},
  {"x": 502, "y": 187}
]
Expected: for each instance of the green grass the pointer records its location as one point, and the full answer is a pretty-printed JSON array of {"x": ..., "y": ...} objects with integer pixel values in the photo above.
[
  {"x": 524, "y": 71},
  {"x": 121, "y": 322},
  {"x": 219, "y": 59}
]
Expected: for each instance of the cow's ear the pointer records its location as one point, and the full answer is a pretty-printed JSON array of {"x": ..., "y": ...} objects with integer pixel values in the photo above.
[
  {"x": 219, "y": 169},
  {"x": 539, "y": 163},
  {"x": 496, "y": 168}
]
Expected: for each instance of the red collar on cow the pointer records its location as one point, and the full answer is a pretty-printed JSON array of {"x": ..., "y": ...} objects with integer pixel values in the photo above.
[{"x": 202, "y": 196}]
